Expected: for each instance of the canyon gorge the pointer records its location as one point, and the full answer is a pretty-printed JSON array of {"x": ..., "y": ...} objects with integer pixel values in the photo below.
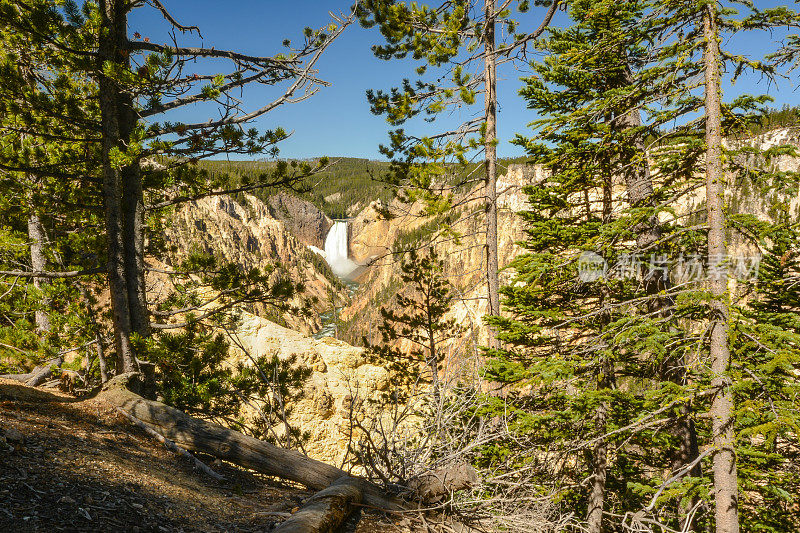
[{"x": 350, "y": 269}]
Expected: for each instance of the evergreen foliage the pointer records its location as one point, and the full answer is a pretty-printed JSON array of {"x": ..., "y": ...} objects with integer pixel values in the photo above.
[
  {"x": 196, "y": 375},
  {"x": 48, "y": 187},
  {"x": 605, "y": 369},
  {"x": 455, "y": 47},
  {"x": 765, "y": 340},
  {"x": 607, "y": 379},
  {"x": 414, "y": 329},
  {"x": 91, "y": 151}
]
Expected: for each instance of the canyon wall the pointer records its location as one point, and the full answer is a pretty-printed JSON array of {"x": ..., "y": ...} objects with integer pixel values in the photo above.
[
  {"x": 373, "y": 238},
  {"x": 248, "y": 235},
  {"x": 253, "y": 234},
  {"x": 301, "y": 218}
]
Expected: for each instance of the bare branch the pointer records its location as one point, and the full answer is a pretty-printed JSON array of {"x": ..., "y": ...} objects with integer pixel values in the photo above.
[
  {"x": 158, "y": 5},
  {"x": 53, "y": 275},
  {"x": 265, "y": 62}
]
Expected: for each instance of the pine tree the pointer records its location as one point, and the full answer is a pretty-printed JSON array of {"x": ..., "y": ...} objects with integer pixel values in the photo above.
[
  {"x": 136, "y": 84},
  {"x": 414, "y": 335},
  {"x": 134, "y": 78},
  {"x": 583, "y": 345},
  {"x": 414, "y": 327},
  {"x": 257, "y": 398},
  {"x": 448, "y": 39},
  {"x": 766, "y": 354},
  {"x": 46, "y": 160},
  {"x": 607, "y": 371}
]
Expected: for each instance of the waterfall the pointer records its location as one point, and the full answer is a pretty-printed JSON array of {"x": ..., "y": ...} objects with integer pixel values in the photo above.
[
  {"x": 336, "y": 250},
  {"x": 336, "y": 242}
]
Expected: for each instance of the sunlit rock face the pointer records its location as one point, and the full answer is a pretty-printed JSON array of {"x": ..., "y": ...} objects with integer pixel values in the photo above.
[
  {"x": 301, "y": 218},
  {"x": 371, "y": 235},
  {"x": 340, "y": 375},
  {"x": 372, "y": 238}
]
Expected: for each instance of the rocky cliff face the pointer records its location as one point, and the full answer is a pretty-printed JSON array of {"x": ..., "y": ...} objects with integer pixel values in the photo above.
[
  {"x": 301, "y": 218},
  {"x": 250, "y": 234},
  {"x": 373, "y": 237},
  {"x": 247, "y": 235}
]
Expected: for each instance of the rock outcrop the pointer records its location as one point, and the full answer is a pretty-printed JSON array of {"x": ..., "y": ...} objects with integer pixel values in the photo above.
[
  {"x": 301, "y": 218},
  {"x": 340, "y": 376}
]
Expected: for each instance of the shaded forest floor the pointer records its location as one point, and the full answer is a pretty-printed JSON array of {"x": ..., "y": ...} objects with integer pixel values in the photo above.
[{"x": 75, "y": 465}]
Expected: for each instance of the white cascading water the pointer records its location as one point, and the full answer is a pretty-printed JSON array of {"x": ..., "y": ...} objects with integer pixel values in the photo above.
[{"x": 336, "y": 250}]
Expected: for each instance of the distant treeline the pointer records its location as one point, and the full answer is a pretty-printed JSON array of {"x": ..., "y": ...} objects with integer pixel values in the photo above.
[
  {"x": 348, "y": 182},
  {"x": 784, "y": 117}
]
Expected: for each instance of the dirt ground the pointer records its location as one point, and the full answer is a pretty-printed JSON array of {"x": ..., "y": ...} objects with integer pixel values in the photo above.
[{"x": 71, "y": 465}]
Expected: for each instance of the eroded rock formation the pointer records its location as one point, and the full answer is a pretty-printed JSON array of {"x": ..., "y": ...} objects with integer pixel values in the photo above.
[
  {"x": 247, "y": 235},
  {"x": 301, "y": 218},
  {"x": 373, "y": 237},
  {"x": 340, "y": 376}
]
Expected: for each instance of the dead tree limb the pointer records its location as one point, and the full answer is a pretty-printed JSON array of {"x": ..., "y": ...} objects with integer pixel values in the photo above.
[
  {"x": 42, "y": 373},
  {"x": 17, "y": 377}
]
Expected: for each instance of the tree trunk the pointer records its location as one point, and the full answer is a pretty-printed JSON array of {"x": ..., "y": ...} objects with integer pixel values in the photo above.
[
  {"x": 433, "y": 354},
  {"x": 133, "y": 228},
  {"x": 594, "y": 517},
  {"x": 36, "y": 234},
  {"x": 723, "y": 458},
  {"x": 37, "y": 239},
  {"x": 171, "y": 446},
  {"x": 597, "y": 496},
  {"x": 101, "y": 359},
  {"x": 440, "y": 483},
  {"x": 687, "y": 452},
  {"x": 326, "y": 510},
  {"x": 227, "y": 444},
  {"x": 112, "y": 37},
  {"x": 639, "y": 187},
  {"x": 639, "y": 183},
  {"x": 490, "y": 147}
]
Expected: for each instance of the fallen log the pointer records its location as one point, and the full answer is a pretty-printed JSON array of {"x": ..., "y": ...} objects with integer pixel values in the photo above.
[
  {"x": 230, "y": 445},
  {"x": 326, "y": 510},
  {"x": 42, "y": 373},
  {"x": 17, "y": 377},
  {"x": 38, "y": 375},
  {"x": 171, "y": 446}
]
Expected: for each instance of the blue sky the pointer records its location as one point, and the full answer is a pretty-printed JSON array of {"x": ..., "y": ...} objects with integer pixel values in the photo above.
[{"x": 337, "y": 120}]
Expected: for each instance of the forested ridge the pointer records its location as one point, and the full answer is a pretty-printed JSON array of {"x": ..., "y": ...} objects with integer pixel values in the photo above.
[
  {"x": 341, "y": 189},
  {"x": 601, "y": 335}
]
